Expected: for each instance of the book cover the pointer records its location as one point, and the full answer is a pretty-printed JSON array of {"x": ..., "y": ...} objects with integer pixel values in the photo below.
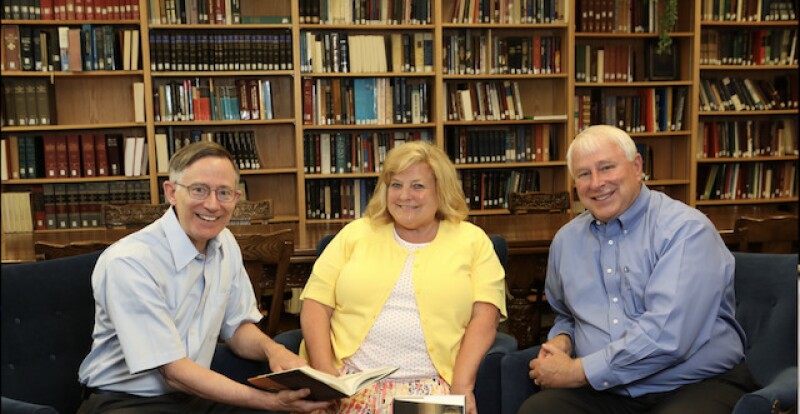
[{"x": 323, "y": 386}]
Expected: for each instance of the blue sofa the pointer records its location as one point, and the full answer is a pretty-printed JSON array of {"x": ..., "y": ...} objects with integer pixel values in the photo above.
[{"x": 766, "y": 307}]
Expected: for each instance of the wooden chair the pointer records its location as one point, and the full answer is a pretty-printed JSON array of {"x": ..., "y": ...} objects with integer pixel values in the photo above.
[
  {"x": 776, "y": 234},
  {"x": 521, "y": 203},
  {"x": 266, "y": 259},
  {"x": 46, "y": 250},
  {"x": 140, "y": 215},
  {"x": 527, "y": 301}
]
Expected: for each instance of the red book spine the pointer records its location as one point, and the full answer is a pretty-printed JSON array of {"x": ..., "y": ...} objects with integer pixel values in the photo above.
[
  {"x": 87, "y": 148},
  {"x": 50, "y": 156},
  {"x": 62, "y": 159},
  {"x": 74, "y": 155},
  {"x": 100, "y": 155}
]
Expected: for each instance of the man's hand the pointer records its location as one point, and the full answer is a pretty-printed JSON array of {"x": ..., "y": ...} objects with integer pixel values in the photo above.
[
  {"x": 293, "y": 401},
  {"x": 554, "y": 368}
]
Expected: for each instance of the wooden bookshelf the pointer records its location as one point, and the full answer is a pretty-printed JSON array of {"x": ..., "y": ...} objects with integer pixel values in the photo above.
[{"x": 101, "y": 102}]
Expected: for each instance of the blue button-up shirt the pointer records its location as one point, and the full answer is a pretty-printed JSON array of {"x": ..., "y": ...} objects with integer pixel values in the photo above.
[{"x": 647, "y": 298}]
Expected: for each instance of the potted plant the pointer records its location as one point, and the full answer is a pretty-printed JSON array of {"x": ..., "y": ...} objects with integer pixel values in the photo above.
[{"x": 666, "y": 22}]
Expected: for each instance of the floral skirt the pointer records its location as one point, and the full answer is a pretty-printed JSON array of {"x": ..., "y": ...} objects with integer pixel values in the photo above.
[{"x": 378, "y": 397}]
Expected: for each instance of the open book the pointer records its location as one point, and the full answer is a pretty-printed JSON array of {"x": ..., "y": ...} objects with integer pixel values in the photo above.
[
  {"x": 429, "y": 404},
  {"x": 323, "y": 386}
]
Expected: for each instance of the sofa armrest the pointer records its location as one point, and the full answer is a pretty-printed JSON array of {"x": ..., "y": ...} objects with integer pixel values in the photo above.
[
  {"x": 12, "y": 406},
  {"x": 487, "y": 383},
  {"x": 515, "y": 383},
  {"x": 782, "y": 389}
]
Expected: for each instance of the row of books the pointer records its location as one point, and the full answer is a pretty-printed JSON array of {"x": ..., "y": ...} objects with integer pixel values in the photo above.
[
  {"x": 520, "y": 143},
  {"x": 471, "y": 52},
  {"x": 617, "y": 63},
  {"x": 618, "y": 16},
  {"x": 506, "y": 11},
  {"x": 70, "y": 49},
  {"x": 748, "y": 10},
  {"x": 366, "y": 101},
  {"x": 71, "y": 9},
  {"x": 338, "y": 52},
  {"x": 213, "y": 99},
  {"x": 746, "y": 94},
  {"x": 241, "y": 144},
  {"x": 365, "y": 11},
  {"x": 360, "y": 152},
  {"x": 756, "y": 47},
  {"x": 745, "y": 139},
  {"x": 490, "y": 189},
  {"x": 74, "y": 156},
  {"x": 338, "y": 198},
  {"x": 747, "y": 181},
  {"x": 483, "y": 101},
  {"x": 195, "y": 11},
  {"x": 67, "y": 206},
  {"x": 639, "y": 110},
  {"x": 203, "y": 51},
  {"x": 646, "y": 152},
  {"x": 28, "y": 102}
]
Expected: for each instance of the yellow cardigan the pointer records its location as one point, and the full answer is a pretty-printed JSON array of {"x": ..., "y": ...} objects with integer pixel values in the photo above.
[{"x": 359, "y": 268}]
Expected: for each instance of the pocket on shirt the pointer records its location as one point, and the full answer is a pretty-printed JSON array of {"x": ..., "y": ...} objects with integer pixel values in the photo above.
[{"x": 632, "y": 289}]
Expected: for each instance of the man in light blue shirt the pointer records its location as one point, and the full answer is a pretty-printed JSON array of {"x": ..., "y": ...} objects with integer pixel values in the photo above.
[
  {"x": 165, "y": 294},
  {"x": 642, "y": 289}
]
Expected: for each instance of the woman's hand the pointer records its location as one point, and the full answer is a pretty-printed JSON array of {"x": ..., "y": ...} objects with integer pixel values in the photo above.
[{"x": 469, "y": 396}]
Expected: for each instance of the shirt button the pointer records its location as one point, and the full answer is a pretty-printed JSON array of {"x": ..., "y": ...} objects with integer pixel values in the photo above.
[
  {"x": 605, "y": 383},
  {"x": 615, "y": 300},
  {"x": 609, "y": 270},
  {"x": 611, "y": 242},
  {"x": 615, "y": 321}
]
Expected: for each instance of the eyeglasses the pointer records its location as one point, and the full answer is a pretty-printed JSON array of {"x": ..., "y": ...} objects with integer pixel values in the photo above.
[{"x": 202, "y": 191}]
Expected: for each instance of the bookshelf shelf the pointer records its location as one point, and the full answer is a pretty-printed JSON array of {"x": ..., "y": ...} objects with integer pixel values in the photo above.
[
  {"x": 749, "y": 24},
  {"x": 204, "y": 27},
  {"x": 747, "y": 201},
  {"x": 510, "y": 26},
  {"x": 729, "y": 68},
  {"x": 367, "y": 27},
  {"x": 221, "y": 73},
  {"x": 524, "y": 76},
  {"x": 345, "y": 175},
  {"x": 615, "y": 35},
  {"x": 637, "y": 84},
  {"x": 368, "y": 127},
  {"x": 69, "y": 22},
  {"x": 750, "y": 113},
  {"x": 368, "y": 74},
  {"x": 267, "y": 171},
  {"x": 30, "y": 181},
  {"x": 235, "y": 122},
  {"x": 82, "y": 74},
  {"x": 747, "y": 159},
  {"x": 505, "y": 122},
  {"x": 73, "y": 127},
  {"x": 506, "y": 165}
]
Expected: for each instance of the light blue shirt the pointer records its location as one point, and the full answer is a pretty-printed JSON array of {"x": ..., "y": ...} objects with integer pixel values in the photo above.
[
  {"x": 647, "y": 299},
  {"x": 158, "y": 300}
]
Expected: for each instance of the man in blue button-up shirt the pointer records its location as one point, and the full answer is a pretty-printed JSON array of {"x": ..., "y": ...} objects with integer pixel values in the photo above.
[{"x": 642, "y": 289}]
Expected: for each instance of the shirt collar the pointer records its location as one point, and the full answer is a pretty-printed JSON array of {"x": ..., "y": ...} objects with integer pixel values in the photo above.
[
  {"x": 182, "y": 248},
  {"x": 632, "y": 215}
]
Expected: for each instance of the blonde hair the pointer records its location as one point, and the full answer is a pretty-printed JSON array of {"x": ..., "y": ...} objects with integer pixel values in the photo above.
[
  {"x": 452, "y": 206},
  {"x": 594, "y": 137}
]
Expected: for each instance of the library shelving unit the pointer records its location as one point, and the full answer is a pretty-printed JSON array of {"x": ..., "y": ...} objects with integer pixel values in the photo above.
[
  {"x": 231, "y": 77},
  {"x": 620, "y": 79},
  {"x": 45, "y": 106},
  {"x": 746, "y": 147},
  {"x": 366, "y": 84},
  {"x": 505, "y": 98}
]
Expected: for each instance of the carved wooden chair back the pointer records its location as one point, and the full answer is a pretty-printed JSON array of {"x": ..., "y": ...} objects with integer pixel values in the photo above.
[
  {"x": 521, "y": 203},
  {"x": 140, "y": 215},
  {"x": 266, "y": 258},
  {"x": 47, "y": 250},
  {"x": 776, "y": 234}
]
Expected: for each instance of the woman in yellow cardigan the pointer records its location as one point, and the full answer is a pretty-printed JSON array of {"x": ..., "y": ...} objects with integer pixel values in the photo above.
[{"x": 410, "y": 285}]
